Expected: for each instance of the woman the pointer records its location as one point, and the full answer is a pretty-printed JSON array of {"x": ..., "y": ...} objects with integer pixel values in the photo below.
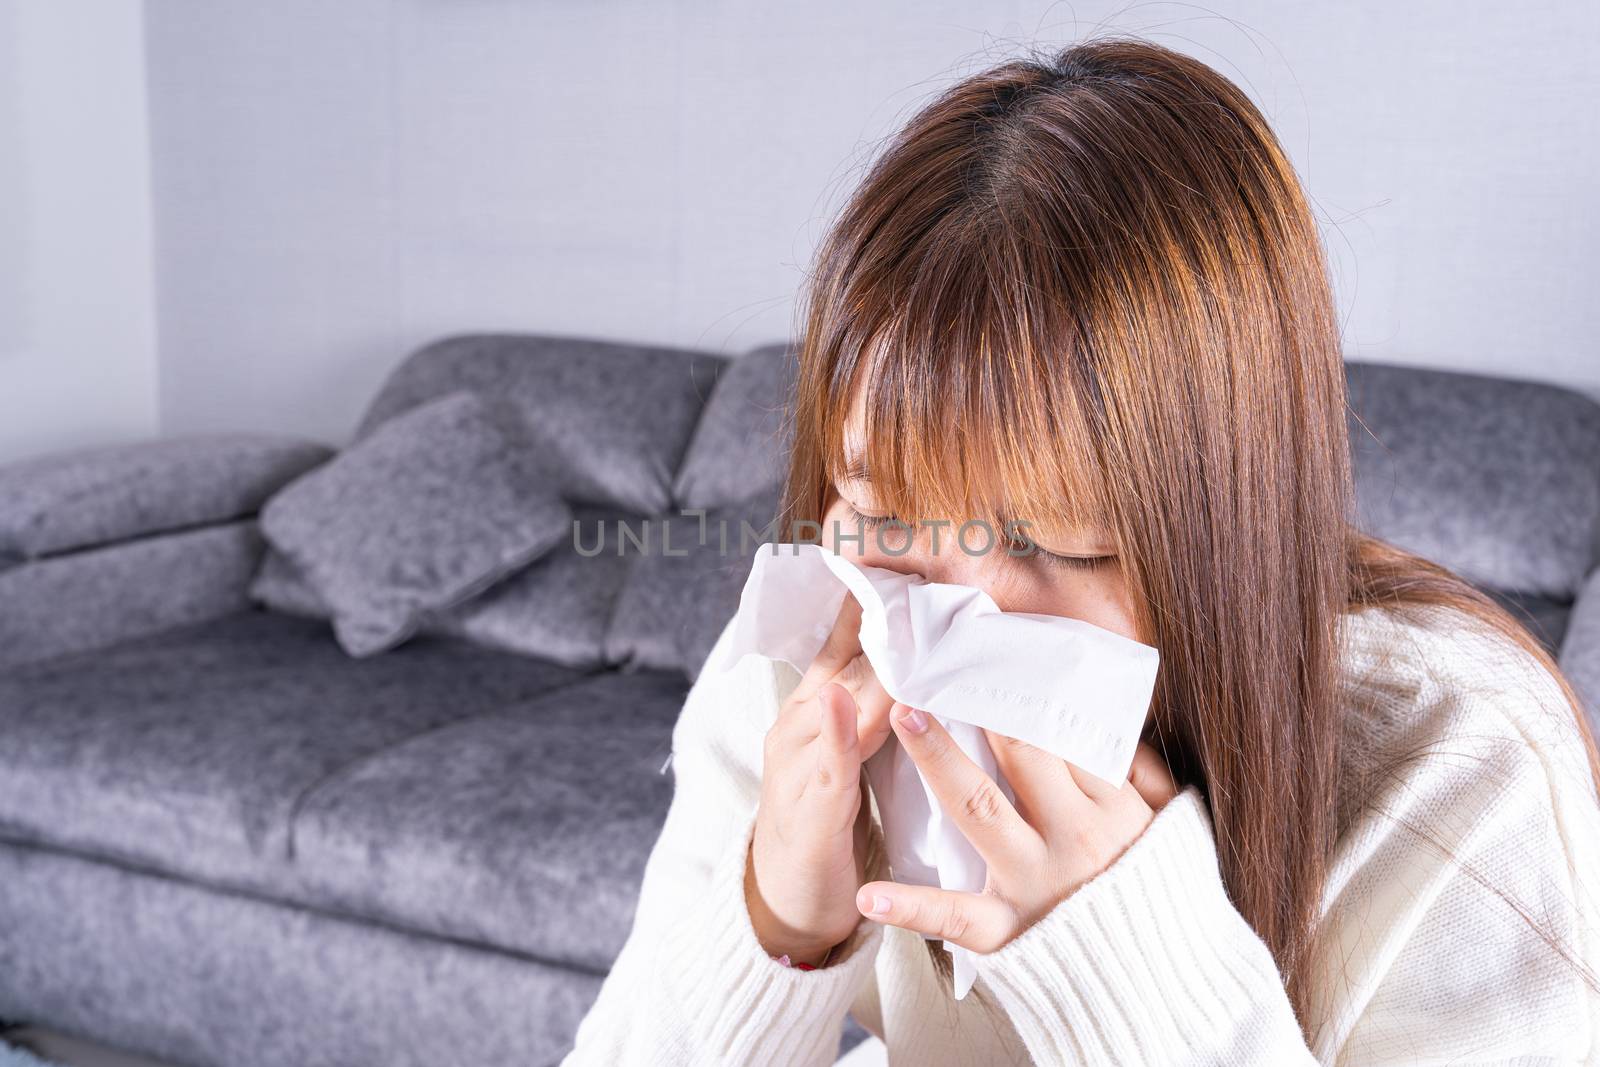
[{"x": 1085, "y": 292}]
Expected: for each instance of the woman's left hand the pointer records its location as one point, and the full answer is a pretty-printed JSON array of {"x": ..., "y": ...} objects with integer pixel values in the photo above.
[{"x": 1066, "y": 827}]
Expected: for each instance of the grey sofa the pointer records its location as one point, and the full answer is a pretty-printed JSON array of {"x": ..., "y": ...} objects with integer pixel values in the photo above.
[{"x": 225, "y": 841}]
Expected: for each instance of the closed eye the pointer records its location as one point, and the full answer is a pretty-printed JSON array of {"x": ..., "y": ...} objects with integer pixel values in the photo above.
[
  {"x": 1055, "y": 559},
  {"x": 1021, "y": 547},
  {"x": 871, "y": 522}
]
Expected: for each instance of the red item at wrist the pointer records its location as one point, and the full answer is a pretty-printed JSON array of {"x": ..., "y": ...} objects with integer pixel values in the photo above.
[{"x": 784, "y": 960}]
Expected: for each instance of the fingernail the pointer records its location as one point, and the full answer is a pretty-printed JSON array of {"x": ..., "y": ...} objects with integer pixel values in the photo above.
[
  {"x": 912, "y": 719},
  {"x": 880, "y": 905}
]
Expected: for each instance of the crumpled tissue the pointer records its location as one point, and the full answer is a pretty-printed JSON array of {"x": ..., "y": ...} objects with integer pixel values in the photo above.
[{"x": 1061, "y": 684}]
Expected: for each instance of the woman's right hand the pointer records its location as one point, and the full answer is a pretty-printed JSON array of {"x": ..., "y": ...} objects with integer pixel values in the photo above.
[{"x": 808, "y": 850}]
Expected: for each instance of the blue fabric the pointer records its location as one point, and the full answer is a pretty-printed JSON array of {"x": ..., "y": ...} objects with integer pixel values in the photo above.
[{"x": 12, "y": 1056}]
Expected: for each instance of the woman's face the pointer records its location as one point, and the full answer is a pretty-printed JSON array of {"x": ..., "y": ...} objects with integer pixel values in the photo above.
[{"x": 1041, "y": 582}]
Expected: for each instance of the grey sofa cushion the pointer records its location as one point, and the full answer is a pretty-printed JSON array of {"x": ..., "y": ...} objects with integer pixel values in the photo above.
[
  {"x": 682, "y": 590},
  {"x": 101, "y": 596},
  {"x": 557, "y": 608},
  {"x": 741, "y": 447},
  {"x": 94, "y": 496},
  {"x": 613, "y": 418},
  {"x": 279, "y": 585},
  {"x": 428, "y": 511},
  {"x": 1580, "y": 648},
  {"x": 189, "y": 751},
  {"x": 527, "y": 828},
  {"x": 1543, "y": 617},
  {"x": 1492, "y": 478},
  {"x": 254, "y": 983}
]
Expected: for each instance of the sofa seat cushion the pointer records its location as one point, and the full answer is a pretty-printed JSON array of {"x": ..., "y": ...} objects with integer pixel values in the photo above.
[
  {"x": 188, "y": 751},
  {"x": 526, "y": 828}
]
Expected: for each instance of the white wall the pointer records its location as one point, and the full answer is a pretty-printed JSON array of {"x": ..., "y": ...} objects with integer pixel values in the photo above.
[
  {"x": 335, "y": 183},
  {"x": 77, "y": 333}
]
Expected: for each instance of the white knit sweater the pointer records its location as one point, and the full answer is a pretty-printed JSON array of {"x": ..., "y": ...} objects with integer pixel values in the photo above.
[{"x": 1149, "y": 961}]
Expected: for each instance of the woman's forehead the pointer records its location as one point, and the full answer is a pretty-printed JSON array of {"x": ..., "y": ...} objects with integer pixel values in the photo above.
[{"x": 1000, "y": 483}]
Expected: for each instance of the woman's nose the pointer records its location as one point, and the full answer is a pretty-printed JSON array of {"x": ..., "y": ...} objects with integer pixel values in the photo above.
[{"x": 934, "y": 554}]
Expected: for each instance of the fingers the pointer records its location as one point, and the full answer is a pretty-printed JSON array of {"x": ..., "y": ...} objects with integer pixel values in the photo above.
[
  {"x": 872, "y": 704},
  {"x": 1095, "y": 788},
  {"x": 838, "y": 767},
  {"x": 977, "y": 921},
  {"x": 841, "y": 660},
  {"x": 969, "y": 797},
  {"x": 1045, "y": 784},
  {"x": 837, "y": 760},
  {"x": 1151, "y": 777},
  {"x": 1048, "y": 796},
  {"x": 842, "y": 645}
]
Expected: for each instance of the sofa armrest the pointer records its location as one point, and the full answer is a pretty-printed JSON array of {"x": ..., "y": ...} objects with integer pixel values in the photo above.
[
  {"x": 70, "y": 500},
  {"x": 101, "y": 596},
  {"x": 1580, "y": 648}
]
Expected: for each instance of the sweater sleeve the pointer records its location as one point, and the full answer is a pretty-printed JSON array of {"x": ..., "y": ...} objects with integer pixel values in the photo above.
[
  {"x": 692, "y": 984},
  {"x": 1426, "y": 959},
  {"x": 1148, "y": 962}
]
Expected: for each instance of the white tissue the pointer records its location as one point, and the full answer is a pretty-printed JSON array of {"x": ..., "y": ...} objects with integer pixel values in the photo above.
[{"x": 1064, "y": 685}]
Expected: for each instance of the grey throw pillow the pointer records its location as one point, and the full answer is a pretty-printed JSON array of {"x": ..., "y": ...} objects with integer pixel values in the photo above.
[
  {"x": 433, "y": 508},
  {"x": 557, "y": 608}
]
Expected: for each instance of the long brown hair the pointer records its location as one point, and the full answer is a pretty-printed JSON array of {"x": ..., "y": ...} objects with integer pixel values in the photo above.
[{"x": 1090, "y": 290}]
